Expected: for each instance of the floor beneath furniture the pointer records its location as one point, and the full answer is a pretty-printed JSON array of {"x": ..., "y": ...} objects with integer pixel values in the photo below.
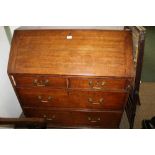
[{"x": 147, "y": 108}]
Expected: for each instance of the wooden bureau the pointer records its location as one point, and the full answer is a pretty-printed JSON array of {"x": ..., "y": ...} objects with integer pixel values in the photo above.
[{"x": 75, "y": 78}]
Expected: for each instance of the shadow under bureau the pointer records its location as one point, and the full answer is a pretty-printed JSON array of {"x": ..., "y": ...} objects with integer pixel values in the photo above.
[{"x": 75, "y": 78}]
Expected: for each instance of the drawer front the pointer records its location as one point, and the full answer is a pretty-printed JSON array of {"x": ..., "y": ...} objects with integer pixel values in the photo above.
[
  {"x": 98, "y": 83},
  {"x": 40, "y": 81},
  {"x": 60, "y": 98},
  {"x": 42, "y": 97},
  {"x": 77, "y": 118},
  {"x": 98, "y": 100}
]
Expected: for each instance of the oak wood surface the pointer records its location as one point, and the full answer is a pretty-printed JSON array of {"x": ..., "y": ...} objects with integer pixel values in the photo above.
[
  {"x": 74, "y": 82},
  {"x": 96, "y": 83},
  {"x": 40, "y": 81},
  {"x": 95, "y": 53},
  {"x": 33, "y": 97},
  {"x": 72, "y": 77},
  {"x": 77, "y": 118}
]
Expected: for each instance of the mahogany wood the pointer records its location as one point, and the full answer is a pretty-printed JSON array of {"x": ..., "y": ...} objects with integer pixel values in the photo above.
[
  {"x": 34, "y": 97},
  {"x": 77, "y": 78},
  {"x": 40, "y": 81},
  {"x": 93, "y": 53},
  {"x": 72, "y": 119},
  {"x": 100, "y": 83}
]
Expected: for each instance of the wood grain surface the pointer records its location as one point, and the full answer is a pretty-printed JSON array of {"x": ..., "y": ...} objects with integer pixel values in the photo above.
[
  {"x": 78, "y": 78},
  {"x": 59, "y": 118},
  {"x": 92, "y": 53}
]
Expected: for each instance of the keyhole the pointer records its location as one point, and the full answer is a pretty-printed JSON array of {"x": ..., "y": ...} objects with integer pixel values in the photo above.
[{"x": 69, "y": 36}]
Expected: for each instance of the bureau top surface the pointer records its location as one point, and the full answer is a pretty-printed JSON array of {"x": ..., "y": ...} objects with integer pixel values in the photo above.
[{"x": 88, "y": 52}]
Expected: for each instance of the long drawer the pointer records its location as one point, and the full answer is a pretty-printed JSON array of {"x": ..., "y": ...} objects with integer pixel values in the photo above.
[
  {"x": 60, "y": 98},
  {"x": 77, "y": 118}
]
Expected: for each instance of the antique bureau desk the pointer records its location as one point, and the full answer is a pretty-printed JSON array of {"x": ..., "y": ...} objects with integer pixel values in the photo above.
[{"x": 75, "y": 78}]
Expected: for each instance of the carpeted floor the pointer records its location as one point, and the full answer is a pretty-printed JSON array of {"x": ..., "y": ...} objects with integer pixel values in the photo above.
[
  {"x": 147, "y": 108},
  {"x": 148, "y": 72}
]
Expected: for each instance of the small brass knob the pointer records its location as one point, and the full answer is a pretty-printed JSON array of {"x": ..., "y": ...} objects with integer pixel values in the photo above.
[
  {"x": 46, "y": 81},
  {"x": 39, "y": 97},
  {"x": 101, "y": 100},
  {"x": 99, "y": 119},
  {"x": 103, "y": 83},
  {"x": 90, "y": 100},
  {"x": 89, "y": 118},
  {"x": 91, "y": 83},
  {"x": 50, "y": 97}
]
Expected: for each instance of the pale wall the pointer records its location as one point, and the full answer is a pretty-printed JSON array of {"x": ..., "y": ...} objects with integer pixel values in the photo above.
[{"x": 9, "y": 106}]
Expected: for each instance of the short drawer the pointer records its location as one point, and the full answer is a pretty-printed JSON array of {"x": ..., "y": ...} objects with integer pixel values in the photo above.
[
  {"x": 39, "y": 81},
  {"x": 77, "y": 118},
  {"x": 98, "y": 100},
  {"x": 98, "y": 83}
]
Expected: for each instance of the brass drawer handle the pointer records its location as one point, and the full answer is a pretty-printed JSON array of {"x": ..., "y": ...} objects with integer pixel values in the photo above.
[
  {"x": 41, "y": 83},
  {"x": 44, "y": 101},
  {"x": 94, "y": 120},
  {"x": 90, "y": 100},
  {"x": 96, "y": 85},
  {"x": 49, "y": 119}
]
